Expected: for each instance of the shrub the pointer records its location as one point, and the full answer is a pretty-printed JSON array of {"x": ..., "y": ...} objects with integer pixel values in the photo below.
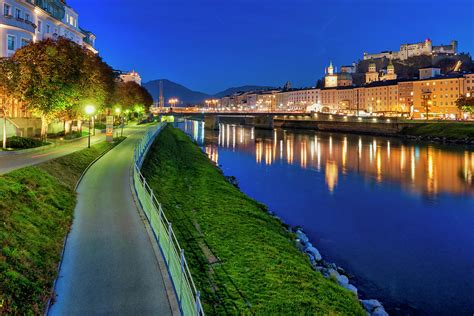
[{"x": 19, "y": 142}]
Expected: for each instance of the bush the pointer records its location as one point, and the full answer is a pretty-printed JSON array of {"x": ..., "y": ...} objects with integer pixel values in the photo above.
[
  {"x": 99, "y": 125},
  {"x": 19, "y": 142}
]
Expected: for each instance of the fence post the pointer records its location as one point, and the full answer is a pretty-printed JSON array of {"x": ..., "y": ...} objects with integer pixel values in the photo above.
[
  {"x": 160, "y": 210},
  {"x": 181, "y": 279},
  {"x": 170, "y": 236},
  {"x": 198, "y": 303}
]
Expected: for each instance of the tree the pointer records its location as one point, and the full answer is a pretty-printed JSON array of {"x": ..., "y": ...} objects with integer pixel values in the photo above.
[
  {"x": 133, "y": 97},
  {"x": 466, "y": 104},
  {"x": 8, "y": 80},
  {"x": 57, "y": 78}
]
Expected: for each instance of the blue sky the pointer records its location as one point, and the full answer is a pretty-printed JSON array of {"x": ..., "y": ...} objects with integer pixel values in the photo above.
[{"x": 210, "y": 45}]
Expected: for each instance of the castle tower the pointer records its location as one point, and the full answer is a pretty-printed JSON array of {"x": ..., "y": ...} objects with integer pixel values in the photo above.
[{"x": 330, "y": 69}]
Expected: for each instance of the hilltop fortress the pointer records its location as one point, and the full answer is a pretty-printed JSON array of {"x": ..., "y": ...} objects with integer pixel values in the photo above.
[{"x": 417, "y": 49}]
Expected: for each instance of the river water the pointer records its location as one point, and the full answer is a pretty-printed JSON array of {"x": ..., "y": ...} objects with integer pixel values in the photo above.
[{"x": 397, "y": 215}]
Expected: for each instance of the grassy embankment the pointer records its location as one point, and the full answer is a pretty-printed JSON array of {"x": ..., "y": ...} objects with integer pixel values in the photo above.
[
  {"x": 451, "y": 131},
  {"x": 242, "y": 259},
  {"x": 36, "y": 211}
]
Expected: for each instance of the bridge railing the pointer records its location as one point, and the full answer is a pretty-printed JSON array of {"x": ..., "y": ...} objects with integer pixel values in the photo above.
[{"x": 187, "y": 294}]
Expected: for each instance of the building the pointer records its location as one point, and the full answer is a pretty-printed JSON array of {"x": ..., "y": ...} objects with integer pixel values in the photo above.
[
  {"x": 416, "y": 49},
  {"x": 371, "y": 75},
  {"x": 437, "y": 96},
  {"x": 25, "y": 21},
  {"x": 333, "y": 79},
  {"x": 429, "y": 72},
  {"x": 469, "y": 85},
  {"x": 131, "y": 76},
  {"x": 299, "y": 100}
]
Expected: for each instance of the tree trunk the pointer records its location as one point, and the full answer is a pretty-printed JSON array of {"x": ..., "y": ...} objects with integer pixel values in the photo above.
[
  {"x": 4, "y": 130},
  {"x": 44, "y": 128}
]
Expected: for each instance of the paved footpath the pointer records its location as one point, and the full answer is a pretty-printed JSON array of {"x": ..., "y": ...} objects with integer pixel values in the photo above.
[
  {"x": 10, "y": 161},
  {"x": 109, "y": 265}
]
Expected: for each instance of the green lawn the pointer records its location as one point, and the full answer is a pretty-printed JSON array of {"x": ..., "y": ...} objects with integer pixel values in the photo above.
[
  {"x": 36, "y": 211},
  {"x": 242, "y": 259},
  {"x": 453, "y": 131}
]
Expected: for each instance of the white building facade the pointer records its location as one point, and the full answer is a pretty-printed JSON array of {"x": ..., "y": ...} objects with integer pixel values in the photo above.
[
  {"x": 25, "y": 21},
  {"x": 131, "y": 76}
]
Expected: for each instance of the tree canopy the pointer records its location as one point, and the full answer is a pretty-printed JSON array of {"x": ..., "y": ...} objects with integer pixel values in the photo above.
[
  {"x": 130, "y": 95},
  {"x": 57, "y": 78},
  {"x": 466, "y": 104}
]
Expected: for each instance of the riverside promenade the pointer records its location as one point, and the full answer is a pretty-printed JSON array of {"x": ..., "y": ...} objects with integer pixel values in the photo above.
[{"x": 109, "y": 264}]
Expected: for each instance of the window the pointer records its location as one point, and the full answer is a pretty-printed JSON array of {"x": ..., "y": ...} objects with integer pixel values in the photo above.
[
  {"x": 27, "y": 17},
  {"x": 6, "y": 9},
  {"x": 39, "y": 26},
  {"x": 47, "y": 29},
  {"x": 24, "y": 42},
  {"x": 18, "y": 13},
  {"x": 11, "y": 42}
]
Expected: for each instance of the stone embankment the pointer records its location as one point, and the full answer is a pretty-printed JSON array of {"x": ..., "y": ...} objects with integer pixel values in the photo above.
[{"x": 331, "y": 271}]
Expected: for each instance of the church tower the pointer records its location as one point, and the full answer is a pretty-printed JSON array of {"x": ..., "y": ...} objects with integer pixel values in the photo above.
[
  {"x": 372, "y": 75},
  {"x": 390, "y": 75},
  {"x": 330, "y": 80}
]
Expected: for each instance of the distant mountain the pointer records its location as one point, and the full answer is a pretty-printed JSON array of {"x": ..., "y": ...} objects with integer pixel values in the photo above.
[
  {"x": 189, "y": 97},
  {"x": 174, "y": 90},
  {"x": 240, "y": 89}
]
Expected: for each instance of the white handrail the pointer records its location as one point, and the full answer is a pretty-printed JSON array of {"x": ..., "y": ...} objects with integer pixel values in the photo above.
[{"x": 188, "y": 297}]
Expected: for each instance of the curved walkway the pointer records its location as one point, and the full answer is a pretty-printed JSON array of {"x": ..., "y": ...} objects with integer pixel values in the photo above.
[{"x": 109, "y": 266}]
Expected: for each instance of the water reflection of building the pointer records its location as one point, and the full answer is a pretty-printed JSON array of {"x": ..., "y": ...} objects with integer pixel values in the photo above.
[{"x": 424, "y": 169}]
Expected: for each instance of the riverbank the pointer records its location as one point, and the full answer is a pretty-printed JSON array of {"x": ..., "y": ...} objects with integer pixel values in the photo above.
[
  {"x": 439, "y": 131},
  {"x": 243, "y": 260},
  {"x": 36, "y": 212}
]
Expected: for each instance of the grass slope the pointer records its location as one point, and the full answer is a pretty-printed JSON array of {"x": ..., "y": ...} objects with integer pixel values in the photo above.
[
  {"x": 242, "y": 259},
  {"x": 36, "y": 211},
  {"x": 454, "y": 131}
]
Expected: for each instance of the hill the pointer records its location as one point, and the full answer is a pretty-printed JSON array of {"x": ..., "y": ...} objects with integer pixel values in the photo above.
[
  {"x": 189, "y": 97},
  {"x": 174, "y": 90},
  {"x": 241, "y": 89}
]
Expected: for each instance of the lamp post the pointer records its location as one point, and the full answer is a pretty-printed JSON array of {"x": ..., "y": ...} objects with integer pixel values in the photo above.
[{"x": 89, "y": 111}]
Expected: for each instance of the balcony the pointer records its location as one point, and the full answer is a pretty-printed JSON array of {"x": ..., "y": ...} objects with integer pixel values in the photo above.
[{"x": 18, "y": 23}]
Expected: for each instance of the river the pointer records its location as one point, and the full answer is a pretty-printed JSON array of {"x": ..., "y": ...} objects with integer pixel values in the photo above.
[{"x": 396, "y": 215}]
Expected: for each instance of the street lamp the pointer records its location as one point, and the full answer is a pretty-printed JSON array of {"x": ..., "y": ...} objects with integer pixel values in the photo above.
[
  {"x": 90, "y": 109},
  {"x": 173, "y": 101}
]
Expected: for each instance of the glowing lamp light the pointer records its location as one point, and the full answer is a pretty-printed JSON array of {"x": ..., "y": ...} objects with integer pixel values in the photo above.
[
  {"x": 117, "y": 110},
  {"x": 90, "y": 109}
]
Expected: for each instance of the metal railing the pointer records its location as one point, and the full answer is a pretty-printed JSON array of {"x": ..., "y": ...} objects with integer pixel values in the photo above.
[{"x": 187, "y": 295}]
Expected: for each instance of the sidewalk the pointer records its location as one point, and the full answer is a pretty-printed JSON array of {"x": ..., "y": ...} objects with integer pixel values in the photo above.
[{"x": 109, "y": 266}]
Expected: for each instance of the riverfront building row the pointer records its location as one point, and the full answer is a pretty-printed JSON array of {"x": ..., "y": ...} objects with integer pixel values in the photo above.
[{"x": 433, "y": 94}]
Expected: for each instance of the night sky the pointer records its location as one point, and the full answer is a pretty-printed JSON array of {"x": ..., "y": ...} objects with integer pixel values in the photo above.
[{"x": 210, "y": 45}]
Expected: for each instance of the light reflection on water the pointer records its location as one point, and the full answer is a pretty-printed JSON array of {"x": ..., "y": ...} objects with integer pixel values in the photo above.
[
  {"x": 397, "y": 215},
  {"x": 428, "y": 169}
]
